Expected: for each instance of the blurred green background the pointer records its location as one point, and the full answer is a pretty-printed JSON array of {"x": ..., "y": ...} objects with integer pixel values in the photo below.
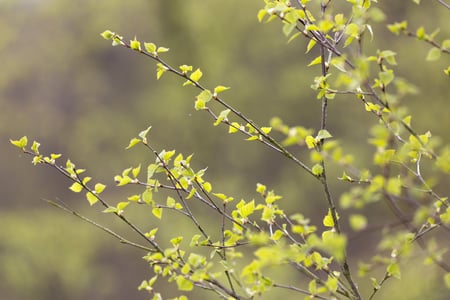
[{"x": 66, "y": 87}]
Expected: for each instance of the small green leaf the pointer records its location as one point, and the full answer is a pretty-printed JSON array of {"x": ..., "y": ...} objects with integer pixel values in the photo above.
[
  {"x": 352, "y": 30},
  {"x": 315, "y": 61},
  {"x": 86, "y": 180},
  {"x": 204, "y": 97},
  {"x": 35, "y": 147},
  {"x": 196, "y": 75},
  {"x": 288, "y": 28},
  {"x": 294, "y": 36},
  {"x": 317, "y": 169},
  {"x": 420, "y": 33},
  {"x": 135, "y": 44},
  {"x": 110, "y": 209},
  {"x": 345, "y": 177},
  {"x": 150, "y": 48},
  {"x": 220, "y": 88},
  {"x": 207, "y": 187},
  {"x": 375, "y": 283},
  {"x": 76, "y": 187},
  {"x": 310, "y": 142},
  {"x": 332, "y": 283},
  {"x": 386, "y": 77},
  {"x": 447, "y": 280},
  {"x": 261, "y": 14},
  {"x": 246, "y": 210},
  {"x": 223, "y": 197},
  {"x": 261, "y": 189},
  {"x": 99, "y": 188},
  {"x": 21, "y": 143},
  {"x": 147, "y": 196},
  {"x": 134, "y": 198},
  {"x": 323, "y": 134},
  {"x": 136, "y": 171},
  {"x": 121, "y": 205},
  {"x": 160, "y": 70},
  {"x": 143, "y": 134},
  {"x": 117, "y": 40},
  {"x": 396, "y": 28},
  {"x": 252, "y": 138},
  {"x": 107, "y": 34},
  {"x": 433, "y": 54},
  {"x": 162, "y": 49},
  {"x": 151, "y": 234},
  {"x": 170, "y": 202},
  {"x": 393, "y": 270},
  {"x": 266, "y": 130},
  {"x": 176, "y": 241},
  {"x": 185, "y": 68},
  {"x": 222, "y": 117},
  {"x": 133, "y": 142},
  {"x": 234, "y": 127},
  {"x": 92, "y": 199},
  {"x": 183, "y": 284},
  {"x": 157, "y": 212},
  {"x": 328, "y": 220},
  {"x": 277, "y": 235},
  {"x": 311, "y": 45}
]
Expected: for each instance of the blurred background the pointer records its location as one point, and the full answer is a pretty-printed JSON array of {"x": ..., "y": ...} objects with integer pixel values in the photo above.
[{"x": 66, "y": 87}]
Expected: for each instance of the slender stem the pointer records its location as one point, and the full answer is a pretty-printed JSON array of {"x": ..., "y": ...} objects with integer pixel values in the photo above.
[
  {"x": 65, "y": 208},
  {"x": 444, "y": 4}
]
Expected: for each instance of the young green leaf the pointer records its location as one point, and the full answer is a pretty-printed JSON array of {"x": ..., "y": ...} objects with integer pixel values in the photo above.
[
  {"x": 143, "y": 134},
  {"x": 133, "y": 142},
  {"x": 196, "y": 75},
  {"x": 135, "y": 44},
  {"x": 107, "y": 34},
  {"x": 35, "y": 147},
  {"x": 315, "y": 61},
  {"x": 21, "y": 143},
  {"x": 328, "y": 220},
  {"x": 184, "y": 284},
  {"x": 121, "y": 206},
  {"x": 157, "y": 212},
  {"x": 323, "y": 134},
  {"x": 433, "y": 54},
  {"x": 219, "y": 89},
  {"x": 99, "y": 188},
  {"x": 76, "y": 187},
  {"x": 92, "y": 199},
  {"x": 162, "y": 49}
]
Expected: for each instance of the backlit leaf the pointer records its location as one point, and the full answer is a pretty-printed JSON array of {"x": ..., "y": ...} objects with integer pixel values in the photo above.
[
  {"x": 196, "y": 75},
  {"x": 76, "y": 187}
]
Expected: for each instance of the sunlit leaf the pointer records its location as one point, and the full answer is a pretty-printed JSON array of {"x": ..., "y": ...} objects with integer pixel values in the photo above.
[{"x": 76, "y": 187}]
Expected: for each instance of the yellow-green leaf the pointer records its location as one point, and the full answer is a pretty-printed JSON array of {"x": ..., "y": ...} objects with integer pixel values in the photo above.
[
  {"x": 311, "y": 45},
  {"x": 76, "y": 187},
  {"x": 196, "y": 75},
  {"x": 133, "y": 142},
  {"x": 183, "y": 284},
  {"x": 135, "y": 44},
  {"x": 220, "y": 88},
  {"x": 315, "y": 61},
  {"x": 91, "y": 198},
  {"x": 157, "y": 212},
  {"x": 433, "y": 54},
  {"x": 328, "y": 220},
  {"x": 21, "y": 143}
]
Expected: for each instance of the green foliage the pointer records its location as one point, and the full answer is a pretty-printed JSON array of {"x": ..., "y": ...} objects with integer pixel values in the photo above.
[{"x": 256, "y": 236}]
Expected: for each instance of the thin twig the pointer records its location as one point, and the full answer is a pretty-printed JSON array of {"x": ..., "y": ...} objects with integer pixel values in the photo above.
[{"x": 67, "y": 209}]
